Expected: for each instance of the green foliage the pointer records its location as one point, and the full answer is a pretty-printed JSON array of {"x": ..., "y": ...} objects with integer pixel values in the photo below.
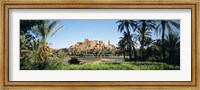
[
  {"x": 98, "y": 65},
  {"x": 46, "y": 29},
  {"x": 126, "y": 43},
  {"x": 173, "y": 48},
  {"x": 50, "y": 64},
  {"x": 59, "y": 53},
  {"x": 153, "y": 53},
  {"x": 35, "y": 54},
  {"x": 143, "y": 29},
  {"x": 26, "y": 64},
  {"x": 26, "y": 26},
  {"x": 166, "y": 49},
  {"x": 126, "y": 25},
  {"x": 96, "y": 52},
  {"x": 29, "y": 50},
  {"x": 161, "y": 28}
]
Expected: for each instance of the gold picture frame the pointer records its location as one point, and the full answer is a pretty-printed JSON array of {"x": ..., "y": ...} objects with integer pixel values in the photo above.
[{"x": 111, "y": 4}]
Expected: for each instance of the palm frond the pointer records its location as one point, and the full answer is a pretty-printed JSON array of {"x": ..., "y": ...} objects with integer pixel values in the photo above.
[
  {"x": 169, "y": 28},
  {"x": 60, "y": 28},
  {"x": 158, "y": 30},
  {"x": 175, "y": 24},
  {"x": 52, "y": 25}
]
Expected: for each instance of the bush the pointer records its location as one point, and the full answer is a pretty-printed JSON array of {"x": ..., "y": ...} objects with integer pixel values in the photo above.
[
  {"x": 73, "y": 60},
  {"x": 25, "y": 65},
  {"x": 51, "y": 64},
  {"x": 59, "y": 54}
]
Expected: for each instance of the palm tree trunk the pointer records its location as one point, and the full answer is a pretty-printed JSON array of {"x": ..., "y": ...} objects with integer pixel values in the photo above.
[
  {"x": 142, "y": 43},
  {"x": 163, "y": 40},
  {"x": 142, "y": 47},
  {"x": 124, "y": 54},
  {"x": 135, "y": 54},
  {"x": 130, "y": 52}
]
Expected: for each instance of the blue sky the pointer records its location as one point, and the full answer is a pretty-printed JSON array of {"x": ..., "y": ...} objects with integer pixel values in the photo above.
[{"x": 76, "y": 30}]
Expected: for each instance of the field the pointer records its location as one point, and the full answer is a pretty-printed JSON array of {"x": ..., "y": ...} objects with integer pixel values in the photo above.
[{"x": 98, "y": 65}]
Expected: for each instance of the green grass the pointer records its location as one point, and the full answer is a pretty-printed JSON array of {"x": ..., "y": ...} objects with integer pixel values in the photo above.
[{"x": 98, "y": 65}]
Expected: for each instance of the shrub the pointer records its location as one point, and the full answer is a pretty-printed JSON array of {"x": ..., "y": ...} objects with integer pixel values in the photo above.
[
  {"x": 25, "y": 65},
  {"x": 50, "y": 64},
  {"x": 73, "y": 60},
  {"x": 59, "y": 53}
]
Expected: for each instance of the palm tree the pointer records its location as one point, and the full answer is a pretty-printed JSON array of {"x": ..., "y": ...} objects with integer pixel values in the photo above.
[
  {"x": 158, "y": 43},
  {"x": 165, "y": 25},
  {"x": 173, "y": 46},
  {"x": 148, "y": 41},
  {"x": 124, "y": 44},
  {"x": 144, "y": 26},
  {"x": 142, "y": 36},
  {"x": 134, "y": 43},
  {"x": 156, "y": 48},
  {"x": 44, "y": 30},
  {"x": 29, "y": 50},
  {"x": 122, "y": 47},
  {"x": 126, "y": 26}
]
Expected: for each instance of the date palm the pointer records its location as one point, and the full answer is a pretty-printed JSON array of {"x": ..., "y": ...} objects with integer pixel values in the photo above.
[
  {"x": 142, "y": 36},
  {"x": 148, "y": 41},
  {"x": 29, "y": 50},
  {"x": 173, "y": 47},
  {"x": 134, "y": 43},
  {"x": 122, "y": 47},
  {"x": 144, "y": 26},
  {"x": 47, "y": 29},
  {"x": 124, "y": 44},
  {"x": 161, "y": 29},
  {"x": 43, "y": 31},
  {"x": 125, "y": 27}
]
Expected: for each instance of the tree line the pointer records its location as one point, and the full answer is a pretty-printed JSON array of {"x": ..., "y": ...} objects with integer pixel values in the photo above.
[{"x": 139, "y": 33}]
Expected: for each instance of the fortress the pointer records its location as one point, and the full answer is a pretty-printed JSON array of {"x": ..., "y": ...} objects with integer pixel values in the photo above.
[{"x": 91, "y": 45}]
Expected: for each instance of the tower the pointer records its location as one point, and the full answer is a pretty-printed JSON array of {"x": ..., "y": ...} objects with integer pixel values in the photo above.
[{"x": 108, "y": 42}]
